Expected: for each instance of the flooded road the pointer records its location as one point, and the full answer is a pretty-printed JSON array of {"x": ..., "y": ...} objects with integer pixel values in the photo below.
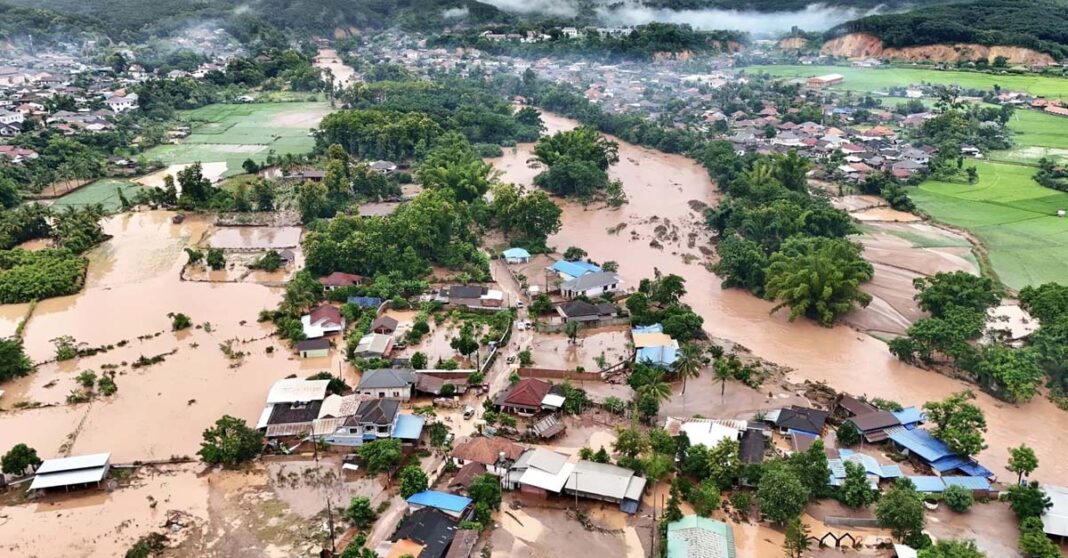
[
  {"x": 344, "y": 75},
  {"x": 660, "y": 187}
]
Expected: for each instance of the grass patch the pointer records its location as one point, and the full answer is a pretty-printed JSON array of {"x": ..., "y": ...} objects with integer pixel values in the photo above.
[
  {"x": 880, "y": 79},
  {"x": 1015, "y": 218},
  {"x": 234, "y": 133}
]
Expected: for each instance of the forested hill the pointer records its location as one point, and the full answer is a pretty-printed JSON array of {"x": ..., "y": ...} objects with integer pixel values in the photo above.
[
  {"x": 1040, "y": 25},
  {"x": 785, "y": 5},
  {"x": 134, "y": 19}
]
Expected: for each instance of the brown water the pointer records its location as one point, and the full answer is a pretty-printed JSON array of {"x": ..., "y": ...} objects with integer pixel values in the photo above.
[
  {"x": 344, "y": 75},
  {"x": 159, "y": 410},
  {"x": 661, "y": 185},
  {"x": 254, "y": 237}
]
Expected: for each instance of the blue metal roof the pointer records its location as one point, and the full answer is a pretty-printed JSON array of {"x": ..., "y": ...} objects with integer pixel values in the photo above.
[
  {"x": 928, "y": 484},
  {"x": 366, "y": 301},
  {"x": 974, "y": 469},
  {"x": 971, "y": 483},
  {"x": 516, "y": 253},
  {"x": 920, "y": 443},
  {"x": 664, "y": 355},
  {"x": 909, "y": 415},
  {"x": 440, "y": 500},
  {"x": 948, "y": 463},
  {"x": 408, "y": 427},
  {"x": 891, "y": 472},
  {"x": 655, "y": 328},
  {"x": 575, "y": 269}
]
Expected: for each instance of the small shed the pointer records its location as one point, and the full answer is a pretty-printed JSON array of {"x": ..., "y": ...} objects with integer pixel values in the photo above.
[
  {"x": 313, "y": 348},
  {"x": 516, "y": 256},
  {"x": 384, "y": 325},
  {"x": 72, "y": 472}
]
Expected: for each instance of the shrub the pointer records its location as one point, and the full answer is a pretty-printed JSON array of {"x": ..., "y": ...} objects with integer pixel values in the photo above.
[{"x": 958, "y": 498}]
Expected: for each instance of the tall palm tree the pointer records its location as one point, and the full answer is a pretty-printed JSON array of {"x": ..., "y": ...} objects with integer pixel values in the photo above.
[
  {"x": 726, "y": 368},
  {"x": 656, "y": 387},
  {"x": 689, "y": 363}
]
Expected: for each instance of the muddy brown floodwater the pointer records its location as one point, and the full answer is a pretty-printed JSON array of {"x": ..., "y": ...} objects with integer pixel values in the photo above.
[
  {"x": 328, "y": 59},
  {"x": 660, "y": 187}
]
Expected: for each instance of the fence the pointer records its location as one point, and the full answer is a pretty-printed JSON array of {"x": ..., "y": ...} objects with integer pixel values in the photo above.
[
  {"x": 851, "y": 521},
  {"x": 550, "y": 373},
  {"x": 546, "y": 327}
]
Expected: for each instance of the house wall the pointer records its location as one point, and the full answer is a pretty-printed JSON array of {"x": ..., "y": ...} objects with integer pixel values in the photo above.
[
  {"x": 317, "y": 353},
  {"x": 403, "y": 394}
]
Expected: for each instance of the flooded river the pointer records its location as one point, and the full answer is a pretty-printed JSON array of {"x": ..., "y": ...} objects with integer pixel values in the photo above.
[
  {"x": 660, "y": 188},
  {"x": 344, "y": 75}
]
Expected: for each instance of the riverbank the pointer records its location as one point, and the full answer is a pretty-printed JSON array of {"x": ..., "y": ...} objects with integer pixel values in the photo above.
[{"x": 660, "y": 188}]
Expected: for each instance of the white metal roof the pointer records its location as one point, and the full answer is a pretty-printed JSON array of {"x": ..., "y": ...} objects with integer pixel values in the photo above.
[
  {"x": 552, "y": 400},
  {"x": 69, "y": 471},
  {"x": 709, "y": 433},
  {"x": 903, "y": 551},
  {"x": 600, "y": 478},
  {"x": 74, "y": 463},
  {"x": 265, "y": 416},
  {"x": 1055, "y": 520},
  {"x": 539, "y": 478},
  {"x": 548, "y": 461},
  {"x": 296, "y": 390}
]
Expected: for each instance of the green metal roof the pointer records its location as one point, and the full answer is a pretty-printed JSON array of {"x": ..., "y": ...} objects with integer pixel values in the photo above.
[{"x": 699, "y": 537}]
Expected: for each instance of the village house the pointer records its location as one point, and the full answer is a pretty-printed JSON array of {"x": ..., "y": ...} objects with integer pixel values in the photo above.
[
  {"x": 120, "y": 104},
  {"x": 365, "y": 301},
  {"x": 453, "y": 505},
  {"x": 374, "y": 345},
  {"x": 293, "y": 401},
  {"x": 607, "y": 483},
  {"x": 387, "y": 383},
  {"x": 516, "y": 256},
  {"x": 11, "y": 117},
  {"x": 324, "y": 320},
  {"x": 431, "y": 384},
  {"x": 529, "y": 397},
  {"x": 426, "y": 533},
  {"x": 384, "y": 167},
  {"x": 585, "y": 312},
  {"x": 568, "y": 270},
  {"x": 375, "y": 419},
  {"x": 496, "y": 455},
  {"x": 313, "y": 348},
  {"x": 472, "y": 296},
  {"x": 384, "y": 325},
  {"x": 591, "y": 285},
  {"x": 798, "y": 419},
  {"x": 337, "y": 279},
  {"x": 17, "y": 155},
  {"x": 653, "y": 346},
  {"x": 1055, "y": 518}
]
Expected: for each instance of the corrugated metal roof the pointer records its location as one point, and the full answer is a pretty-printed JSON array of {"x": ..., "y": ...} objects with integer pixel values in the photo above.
[
  {"x": 575, "y": 268},
  {"x": 74, "y": 463},
  {"x": 548, "y": 461},
  {"x": 909, "y": 415},
  {"x": 971, "y": 483},
  {"x": 602, "y": 479},
  {"x": 516, "y": 253},
  {"x": 928, "y": 484},
  {"x": 440, "y": 500},
  {"x": 69, "y": 478},
  {"x": 1055, "y": 520},
  {"x": 919, "y": 442},
  {"x": 296, "y": 390},
  {"x": 540, "y": 478},
  {"x": 664, "y": 355},
  {"x": 699, "y": 537},
  {"x": 408, "y": 427}
]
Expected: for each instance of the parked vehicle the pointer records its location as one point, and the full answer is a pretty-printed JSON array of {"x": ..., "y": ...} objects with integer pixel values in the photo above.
[{"x": 469, "y": 412}]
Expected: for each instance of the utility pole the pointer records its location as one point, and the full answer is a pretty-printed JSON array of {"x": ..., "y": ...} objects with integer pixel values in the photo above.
[{"x": 329, "y": 506}]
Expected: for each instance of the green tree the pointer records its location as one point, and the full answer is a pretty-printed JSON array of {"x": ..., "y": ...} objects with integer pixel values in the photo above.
[
  {"x": 705, "y": 498},
  {"x": 673, "y": 511},
  {"x": 780, "y": 493},
  {"x": 797, "y": 538},
  {"x": 179, "y": 321},
  {"x": 856, "y": 491},
  {"x": 848, "y": 435},
  {"x": 958, "y": 423},
  {"x": 380, "y": 455},
  {"x": 486, "y": 489},
  {"x": 418, "y": 361},
  {"x": 1022, "y": 461},
  {"x": 1034, "y": 542},
  {"x": 958, "y": 498},
  {"x": 727, "y": 367},
  {"x": 195, "y": 187},
  {"x": 360, "y": 512},
  {"x": 216, "y": 259},
  {"x": 412, "y": 481},
  {"x": 947, "y": 290},
  {"x": 465, "y": 343},
  {"x": 311, "y": 201},
  {"x": 630, "y": 442},
  {"x": 19, "y": 458},
  {"x": 818, "y": 278},
  {"x": 901, "y": 510},
  {"x": 230, "y": 442},
  {"x": 948, "y": 548},
  {"x": 263, "y": 193},
  {"x": 689, "y": 363},
  {"x": 581, "y": 144},
  {"x": 1028, "y": 500},
  {"x": 812, "y": 468},
  {"x": 656, "y": 388},
  {"x": 541, "y": 305}
]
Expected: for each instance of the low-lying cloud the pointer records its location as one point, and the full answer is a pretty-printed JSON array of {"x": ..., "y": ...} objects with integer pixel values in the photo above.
[
  {"x": 557, "y": 8},
  {"x": 815, "y": 17},
  {"x": 456, "y": 13}
]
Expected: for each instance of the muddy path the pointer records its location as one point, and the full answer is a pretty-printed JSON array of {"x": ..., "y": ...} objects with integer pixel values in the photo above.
[{"x": 660, "y": 188}]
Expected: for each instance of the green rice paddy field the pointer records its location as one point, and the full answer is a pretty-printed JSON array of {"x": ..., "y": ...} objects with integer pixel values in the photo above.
[
  {"x": 103, "y": 192},
  {"x": 234, "y": 133},
  {"x": 880, "y": 79},
  {"x": 1014, "y": 217}
]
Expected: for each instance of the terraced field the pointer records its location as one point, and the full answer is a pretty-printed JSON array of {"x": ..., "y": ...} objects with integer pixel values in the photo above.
[{"x": 234, "y": 133}]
